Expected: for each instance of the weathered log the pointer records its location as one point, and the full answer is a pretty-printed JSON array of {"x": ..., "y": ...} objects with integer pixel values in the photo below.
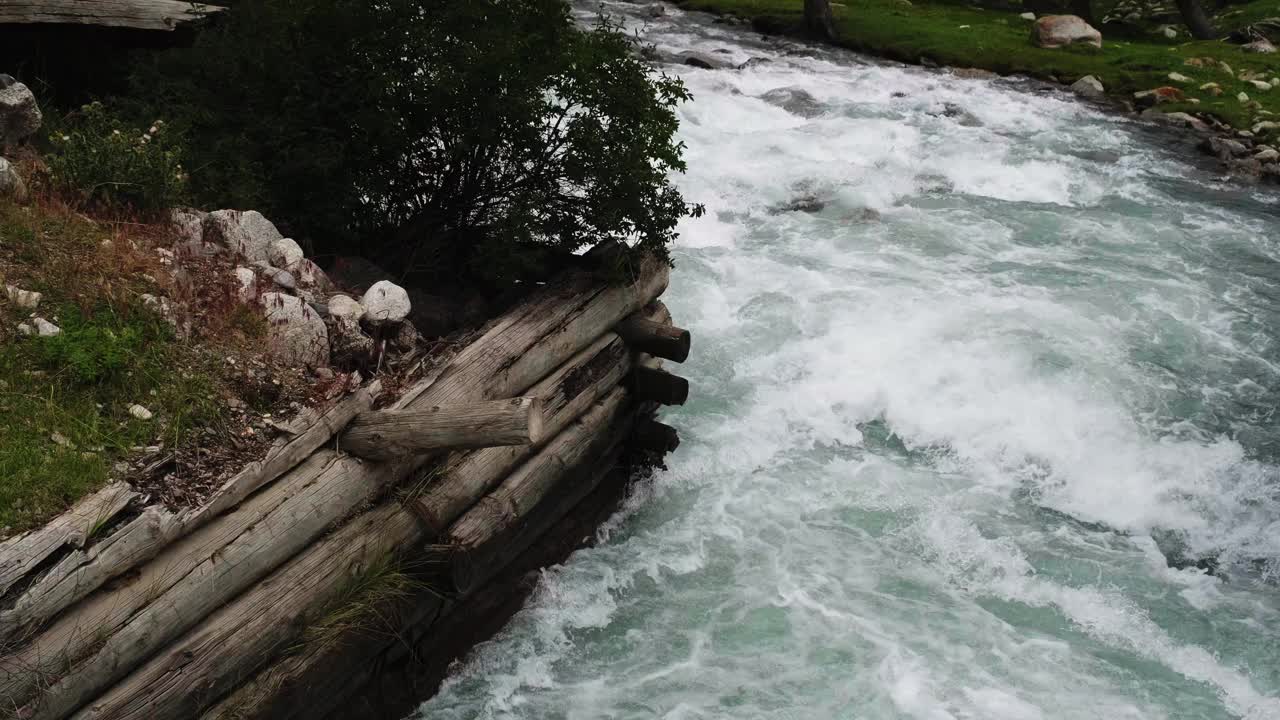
[
  {"x": 22, "y": 554},
  {"x": 655, "y": 437},
  {"x": 241, "y": 637},
  {"x": 319, "y": 678},
  {"x": 113, "y": 631},
  {"x": 161, "y": 15},
  {"x": 389, "y": 434},
  {"x": 142, "y": 538},
  {"x": 659, "y": 386},
  {"x": 656, "y": 338},
  {"x": 473, "y": 539}
]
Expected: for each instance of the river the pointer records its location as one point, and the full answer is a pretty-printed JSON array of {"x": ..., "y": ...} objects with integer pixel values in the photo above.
[{"x": 958, "y": 438}]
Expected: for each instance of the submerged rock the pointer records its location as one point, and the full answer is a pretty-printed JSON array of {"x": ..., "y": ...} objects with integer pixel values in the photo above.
[
  {"x": 794, "y": 100},
  {"x": 702, "y": 60},
  {"x": 1055, "y": 31}
]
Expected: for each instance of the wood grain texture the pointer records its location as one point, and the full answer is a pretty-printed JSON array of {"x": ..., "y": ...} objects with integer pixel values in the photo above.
[
  {"x": 390, "y": 434},
  {"x": 655, "y": 338},
  {"x": 162, "y": 15}
]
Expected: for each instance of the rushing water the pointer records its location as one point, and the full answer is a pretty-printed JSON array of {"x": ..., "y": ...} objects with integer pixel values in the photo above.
[{"x": 950, "y": 434}]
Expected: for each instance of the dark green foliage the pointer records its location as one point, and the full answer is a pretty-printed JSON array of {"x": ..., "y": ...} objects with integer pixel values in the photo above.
[
  {"x": 445, "y": 135},
  {"x": 99, "y": 348},
  {"x": 105, "y": 162}
]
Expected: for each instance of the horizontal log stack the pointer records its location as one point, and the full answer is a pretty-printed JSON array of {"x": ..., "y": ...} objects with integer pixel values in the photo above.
[{"x": 114, "y": 612}]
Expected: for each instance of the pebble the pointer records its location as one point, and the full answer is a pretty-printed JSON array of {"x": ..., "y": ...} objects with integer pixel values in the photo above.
[
  {"x": 140, "y": 412},
  {"x": 25, "y": 299}
]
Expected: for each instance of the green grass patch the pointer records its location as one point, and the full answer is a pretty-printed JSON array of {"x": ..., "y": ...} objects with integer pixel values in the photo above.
[
  {"x": 64, "y": 400},
  {"x": 1000, "y": 41}
]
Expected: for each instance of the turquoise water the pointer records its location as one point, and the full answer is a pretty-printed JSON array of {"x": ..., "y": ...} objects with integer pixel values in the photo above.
[{"x": 951, "y": 436}]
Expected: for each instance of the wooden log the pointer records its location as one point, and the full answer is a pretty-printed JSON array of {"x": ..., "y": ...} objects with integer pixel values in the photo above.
[
  {"x": 162, "y": 15},
  {"x": 20, "y": 555},
  {"x": 659, "y": 386},
  {"x": 316, "y": 679},
  {"x": 474, "y": 538},
  {"x": 237, "y": 639},
  {"x": 83, "y": 571},
  {"x": 655, "y": 338},
  {"x": 113, "y": 631},
  {"x": 655, "y": 437},
  {"x": 389, "y": 434}
]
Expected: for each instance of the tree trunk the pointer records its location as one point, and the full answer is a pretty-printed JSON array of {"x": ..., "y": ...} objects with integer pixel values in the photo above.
[
  {"x": 1197, "y": 21},
  {"x": 818, "y": 20}
]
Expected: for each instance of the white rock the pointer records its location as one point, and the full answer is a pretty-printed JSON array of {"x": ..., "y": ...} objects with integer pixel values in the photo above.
[
  {"x": 247, "y": 233},
  {"x": 188, "y": 225},
  {"x": 20, "y": 115},
  {"x": 1088, "y": 86},
  {"x": 1265, "y": 126},
  {"x": 246, "y": 284},
  {"x": 139, "y": 412},
  {"x": 284, "y": 253},
  {"x": 1243, "y": 97},
  {"x": 25, "y": 329},
  {"x": 1179, "y": 77},
  {"x": 1028, "y": 16},
  {"x": 282, "y": 278},
  {"x": 295, "y": 333},
  {"x": 44, "y": 328},
  {"x": 1267, "y": 156},
  {"x": 11, "y": 184},
  {"x": 1169, "y": 31},
  {"x": 386, "y": 302},
  {"x": 343, "y": 306},
  {"x": 1055, "y": 31},
  {"x": 311, "y": 277},
  {"x": 1260, "y": 84},
  {"x": 25, "y": 299}
]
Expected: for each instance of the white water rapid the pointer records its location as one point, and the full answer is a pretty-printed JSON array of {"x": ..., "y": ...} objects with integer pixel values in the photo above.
[{"x": 958, "y": 438}]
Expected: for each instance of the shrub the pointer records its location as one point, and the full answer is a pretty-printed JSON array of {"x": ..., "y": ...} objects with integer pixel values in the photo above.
[
  {"x": 99, "y": 348},
  {"x": 448, "y": 134},
  {"x": 105, "y": 162}
]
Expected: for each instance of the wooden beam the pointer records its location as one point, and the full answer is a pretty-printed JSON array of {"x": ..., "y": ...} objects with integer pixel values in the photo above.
[
  {"x": 659, "y": 339},
  {"x": 659, "y": 386},
  {"x": 654, "y": 437},
  {"x": 390, "y": 434},
  {"x": 160, "y": 15}
]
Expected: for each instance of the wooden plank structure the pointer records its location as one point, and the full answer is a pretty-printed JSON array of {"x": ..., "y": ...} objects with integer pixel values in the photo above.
[
  {"x": 202, "y": 613},
  {"x": 158, "y": 15}
]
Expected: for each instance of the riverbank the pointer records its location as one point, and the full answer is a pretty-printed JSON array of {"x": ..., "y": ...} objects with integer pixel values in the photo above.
[{"x": 1213, "y": 73}]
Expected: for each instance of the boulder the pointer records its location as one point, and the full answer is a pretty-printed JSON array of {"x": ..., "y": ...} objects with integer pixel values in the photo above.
[
  {"x": 20, "y": 115},
  {"x": 655, "y": 10},
  {"x": 11, "y": 184},
  {"x": 311, "y": 278},
  {"x": 345, "y": 307},
  {"x": 1261, "y": 46},
  {"x": 295, "y": 333},
  {"x": 1088, "y": 87},
  {"x": 284, "y": 253},
  {"x": 246, "y": 233},
  {"x": 1055, "y": 31},
  {"x": 281, "y": 278},
  {"x": 1267, "y": 155},
  {"x": 354, "y": 272},
  {"x": 386, "y": 302},
  {"x": 960, "y": 115}
]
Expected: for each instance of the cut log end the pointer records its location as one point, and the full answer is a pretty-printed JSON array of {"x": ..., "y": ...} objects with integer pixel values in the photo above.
[
  {"x": 650, "y": 384},
  {"x": 654, "y": 437},
  {"x": 655, "y": 338}
]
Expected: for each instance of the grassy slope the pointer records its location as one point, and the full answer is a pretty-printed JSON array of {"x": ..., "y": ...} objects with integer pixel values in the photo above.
[
  {"x": 999, "y": 41},
  {"x": 112, "y": 353}
]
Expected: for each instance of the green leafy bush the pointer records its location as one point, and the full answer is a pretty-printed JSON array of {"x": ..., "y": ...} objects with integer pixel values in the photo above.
[
  {"x": 440, "y": 135},
  {"x": 107, "y": 163}
]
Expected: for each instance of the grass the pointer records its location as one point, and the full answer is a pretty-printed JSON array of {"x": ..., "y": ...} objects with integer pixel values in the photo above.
[
  {"x": 361, "y": 605},
  {"x": 963, "y": 36},
  {"x": 64, "y": 400}
]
